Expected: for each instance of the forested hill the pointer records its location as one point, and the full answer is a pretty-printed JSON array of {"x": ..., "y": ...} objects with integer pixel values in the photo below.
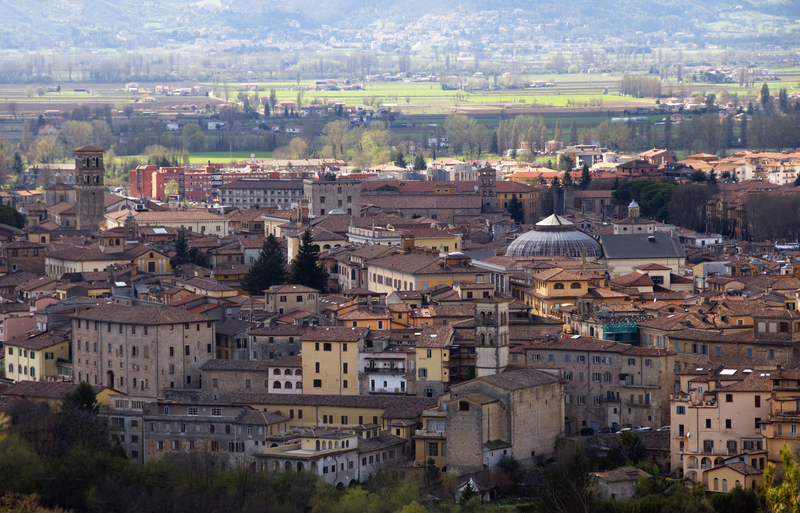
[{"x": 135, "y": 24}]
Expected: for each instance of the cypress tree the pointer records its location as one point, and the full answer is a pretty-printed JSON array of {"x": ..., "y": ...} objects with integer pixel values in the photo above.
[
  {"x": 306, "y": 269},
  {"x": 181, "y": 250},
  {"x": 268, "y": 270}
]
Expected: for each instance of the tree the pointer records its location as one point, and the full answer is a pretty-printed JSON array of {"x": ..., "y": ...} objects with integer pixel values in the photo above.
[
  {"x": 198, "y": 257},
  {"x": 306, "y": 270},
  {"x": 268, "y": 270},
  {"x": 11, "y": 217},
  {"x": 573, "y": 132},
  {"x": 493, "y": 148},
  {"x": 18, "y": 166},
  {"x": 558, "y": 136},
  {"x": 266, "y": 109},
  {"x": 181, "y": 251},
  {"x": 566, "y": 162},
  {"x": 515, "y": 209},
  {"x": 586, "y": 178},
  {"x": 567, "y": 180},
  {"x": 567, "y": 488},
  {"x": 419, "y": 163},
  {"x": 784, "y": 497},
  {"x": 764, "y": 97},
  {"x": 399, "y": 159}
]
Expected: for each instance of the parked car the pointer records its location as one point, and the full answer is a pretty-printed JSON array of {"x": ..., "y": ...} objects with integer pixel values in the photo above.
[
  {"x": 665, "y": 428},
  {"x": 624, "y": 430},
  {"x": 639, "y": 429},
  {"x": 607, "y": 430},
  {"x": 587, "y": 432}
]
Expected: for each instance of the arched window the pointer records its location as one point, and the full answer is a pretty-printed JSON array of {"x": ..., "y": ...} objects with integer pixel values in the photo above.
[
  {"x": 277, "y": 384},
  {"x": 483, "y": 339},
  {"x": 724, "y": 485},
  {"x": 575, "y": 285},
  {"x": 483, "y": 318},
  {"x": 298, "y": 372},
  {"x": 277, "y": 372},
  {"x": 288, "y": 385},
  {"x": 491, "y": 339},
  {"x": 591, "y": 332},
  {"x": 491, "y": 319},
  {"x": 738, "y": 484},
  {"x": 716, "y": 483},
  {"x": 288, "y": 372},
  {"x": 558, "y": 286}
]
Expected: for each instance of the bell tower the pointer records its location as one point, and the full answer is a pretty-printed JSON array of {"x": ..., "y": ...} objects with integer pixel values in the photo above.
[
  {"x": 487, "y": 186},
  {"x": 89, "y": 187},
  {"x": 491, "y": 336}
]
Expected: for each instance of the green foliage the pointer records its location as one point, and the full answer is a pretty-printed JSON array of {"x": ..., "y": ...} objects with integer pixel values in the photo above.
[
  {"x": 566, "y": 162},
  {"x": 83, "y": 398},
  {"x": 687, "y": 207},
  {"x": 181, "y": 250},
  {"x": 567, "y": 180},
  {"x": 567, "y": 487},
  {"x": 268, "y": 270},
  {"x": 653, "y": 197},
  {"x": 198, "y": 257},
  {"x": 419, "y": 163},
  {"x": 586, "y": 178},
  {"x": 739, "y": 500},
  {"x": 306, "y": 269},
  {"x": 515, "y": 209},
  {"x": 387, "y": 188},
  {"x": 10, "y": 216}
]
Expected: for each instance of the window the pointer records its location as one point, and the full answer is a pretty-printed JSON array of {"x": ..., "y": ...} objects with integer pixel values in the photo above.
[
  {"x": 422, "y": 373},
  {"x": 631, "y": 361},
  {"x": 681, "y": 410},
  {"x": 758, "y": 401},
  {"x": 192, "y": 411},
  {"x": 772, "y": 353},
  {"x": 719, "y": 351},
  {"x": 728, "y": 398},
  {"x": 648, "y": 362},
  {"x": 433, "y": 449},
  {"x": 216, "y": 412},
  {"x": 317, "y": 383},
  {"x": 727, "y": 423},
  {"x": 581, "y": 399},
  {"x": 749, "y": 352},
  {"x": 326, "y": 346}
]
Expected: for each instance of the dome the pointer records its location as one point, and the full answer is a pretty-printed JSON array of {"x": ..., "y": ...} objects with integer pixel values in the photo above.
[
  {"x": 633, "y": 204},
  {"x": 554, "y": 236}
]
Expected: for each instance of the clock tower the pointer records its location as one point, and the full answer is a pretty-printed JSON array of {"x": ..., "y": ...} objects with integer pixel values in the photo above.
[{"x": 89, "y": 187}]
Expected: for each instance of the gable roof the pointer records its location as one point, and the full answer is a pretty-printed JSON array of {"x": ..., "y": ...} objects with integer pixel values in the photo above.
[{"x": 637, "y": 246}]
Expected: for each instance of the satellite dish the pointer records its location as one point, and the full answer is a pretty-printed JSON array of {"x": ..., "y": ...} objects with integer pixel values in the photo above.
[
  {"x": 252, "y": 155},
  {"x": 475, "y": 187}
]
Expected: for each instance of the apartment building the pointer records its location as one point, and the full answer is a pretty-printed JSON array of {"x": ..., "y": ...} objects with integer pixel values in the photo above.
[
  {"x": 329, "y": 194},
  {"x": 261, "y": 193},
  {"x": 330, "y": 359},
  {"x": 141, "y": 350},
  {"x": 606, "y": 383},
  {"x": 717, "y": 417}
]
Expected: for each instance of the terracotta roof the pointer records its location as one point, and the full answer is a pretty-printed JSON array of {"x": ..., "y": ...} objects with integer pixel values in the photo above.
[
  {"x": 653, "y": 267},
  {"x": 621, "y": 474},
  {"x": 396, "y": 407},
  {"x": 517, "y": 379},
  {"x": 42, "y": 389},
  {"x": 150, "y": 315},
  {"x": 743, "y": 468},
  {"x": 291, "y": 289},
  {"x": 435, "y": 336},
  {"x": 289, "y": 330},
  {"x": 333, "y": 334},
  {"x": 634, "y": 279}
]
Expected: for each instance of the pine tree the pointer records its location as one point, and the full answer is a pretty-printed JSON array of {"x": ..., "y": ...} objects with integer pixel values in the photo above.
[
  {"x": 419, "y": 163},
  {"x": 567, "y": 180},
  {"x": 181, "y": 251},
  {"x": 573, "y": 132},
  {"x": 764, "y": 96},
  {"x": 515, "y": 208},
  {"x": 493, "y": 149},
  {"x": 557, "y": 135},
  {"x": 586, "y": 178},
  {"x": 305, "y": 267},
  {"x": 266, "y": 109},
  {"x": 268, "y": 270}
]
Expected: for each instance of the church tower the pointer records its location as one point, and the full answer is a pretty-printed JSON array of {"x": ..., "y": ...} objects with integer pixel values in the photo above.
[
  {"x": 491, "y": 336},
  {"x": 487, "y": 186},
  {"x": 89, "y": 187}
]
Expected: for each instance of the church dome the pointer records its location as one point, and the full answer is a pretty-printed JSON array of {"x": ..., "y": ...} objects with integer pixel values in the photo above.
[{"x": 554, "y": 236}]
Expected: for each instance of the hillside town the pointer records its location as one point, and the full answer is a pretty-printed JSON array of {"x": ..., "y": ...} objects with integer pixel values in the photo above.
[{"x": 293, "y": 315}]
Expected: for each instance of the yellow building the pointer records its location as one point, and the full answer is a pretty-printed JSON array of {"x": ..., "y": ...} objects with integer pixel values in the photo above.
[
  {"x": 414, "y": 271},
  {"x": 199, "y": 221},
  {"x": 553, "y": 289},
  {"x": 733, "y": 475},
  {"x": 440, "y": 240},
  {"x": 430, "y": 442},
  {"x": 150, "y": 260},
  {"x": 340, "y": 411},
  {"x": 330, "y": 360},
  {"x": 377, "y": 319},
  {"x": 433, "y": 350},
  {"x": 53, "y": 393},
  {"x": 39, "y": 357}
]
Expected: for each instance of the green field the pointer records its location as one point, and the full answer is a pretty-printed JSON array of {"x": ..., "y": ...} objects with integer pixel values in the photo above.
[{"x": 216, "y": 157}]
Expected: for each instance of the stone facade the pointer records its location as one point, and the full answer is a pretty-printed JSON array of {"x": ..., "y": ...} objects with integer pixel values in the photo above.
[
  {"x": 89, "y": 187},
  {"x": 141, "y": 350},
  {"x": 516, "y": 413},
  {"x": 491, "y": 336},
  {"x": 270, "y": 342},
  {"x": 331, "y": 194}
]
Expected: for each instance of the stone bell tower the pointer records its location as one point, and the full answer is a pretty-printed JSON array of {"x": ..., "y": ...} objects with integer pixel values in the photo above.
[
  {"x": 89, "y": 187},
  {"x": 491, "y": 336}
]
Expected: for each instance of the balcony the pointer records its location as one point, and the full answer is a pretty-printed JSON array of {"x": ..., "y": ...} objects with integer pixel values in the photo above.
[
  {"x": 394, "y": 390},
  {"x": 384, "y": 370}
]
